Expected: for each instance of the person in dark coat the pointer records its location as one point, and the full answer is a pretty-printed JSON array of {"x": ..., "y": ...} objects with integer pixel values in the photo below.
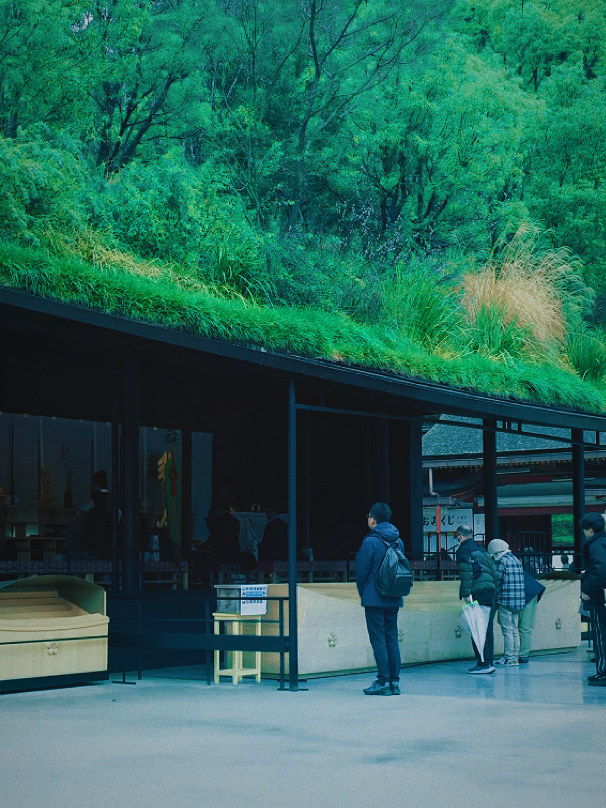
[
  {"x": 274, "y": 544},
  {"x": 224, "y": 536},
  {"x": 479, "y": 581},
  {"x": 381, "y": 611},
  {"x": 97, "y": 533},
  {"x": 593, "y": 589}
]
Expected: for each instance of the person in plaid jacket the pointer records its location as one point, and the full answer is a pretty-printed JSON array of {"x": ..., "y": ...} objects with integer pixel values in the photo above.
[{"x": 511, "y": 599}]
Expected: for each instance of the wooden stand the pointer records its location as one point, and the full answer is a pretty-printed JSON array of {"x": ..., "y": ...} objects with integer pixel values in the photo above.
[
  {"x": 237, "y": 671},
  {"x": 51, "y": 627}
]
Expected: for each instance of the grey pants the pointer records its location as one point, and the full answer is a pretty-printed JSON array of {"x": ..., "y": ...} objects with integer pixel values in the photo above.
[
  {"x": 525, "y": 626},
  {"x": 508, "y": 620}
]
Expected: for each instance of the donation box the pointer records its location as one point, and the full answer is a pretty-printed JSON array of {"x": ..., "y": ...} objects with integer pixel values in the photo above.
[
  {"x": 245, "y": 599},
  {"x": 53, "y": 631}
]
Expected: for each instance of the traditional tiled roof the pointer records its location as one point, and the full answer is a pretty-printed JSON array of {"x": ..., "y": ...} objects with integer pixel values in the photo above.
[{"x": 445, "y": 440}]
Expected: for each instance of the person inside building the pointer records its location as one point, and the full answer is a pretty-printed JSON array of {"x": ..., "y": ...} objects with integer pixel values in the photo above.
[
  {"x": 73, "y": 546},
  {"x": 223, "y": 530},
  {"x": 223, "y": 542},
  {"x": 100, "y": 480},
  {"x": 90, "y": 530},
  {"x": 97, "y": 530},
  {"x": 274, "y": 544}
]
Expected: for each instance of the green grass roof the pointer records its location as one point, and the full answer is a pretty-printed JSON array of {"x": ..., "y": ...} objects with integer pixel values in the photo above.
[{"x": 301, "y": 332}]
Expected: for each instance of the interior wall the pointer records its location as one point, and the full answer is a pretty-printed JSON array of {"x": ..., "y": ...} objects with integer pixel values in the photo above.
[
  {"x": 71, "y": 451},
  {"x": 341, "y": 482},
  {"x": 250, "y": 456}
]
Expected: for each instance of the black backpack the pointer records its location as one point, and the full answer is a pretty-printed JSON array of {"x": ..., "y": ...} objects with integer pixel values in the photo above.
[
  {"x": 481, "y": 562},
  {"x": 394, "y": 576}
]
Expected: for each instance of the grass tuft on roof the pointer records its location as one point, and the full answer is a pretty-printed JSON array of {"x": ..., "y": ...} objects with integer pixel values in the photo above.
[{"x": 302, "y": 332}]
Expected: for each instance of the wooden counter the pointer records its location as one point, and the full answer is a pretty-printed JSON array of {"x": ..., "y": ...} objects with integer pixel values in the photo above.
[
  {"x": 51, "y": 627},
  {"x": 333, "y": 636}
]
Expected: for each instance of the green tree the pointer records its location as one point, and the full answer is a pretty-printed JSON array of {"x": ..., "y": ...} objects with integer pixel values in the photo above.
[
  {"x": 285, "y": 77},
  {"x": 146, "y": 76},
  {"x": 45, "y": 187},
  {"x": 566, "y": 165},
  {"x": 433, "y": 160},
  {"x": 533, "y": 38},
  {"x": 42, "y": 63}
]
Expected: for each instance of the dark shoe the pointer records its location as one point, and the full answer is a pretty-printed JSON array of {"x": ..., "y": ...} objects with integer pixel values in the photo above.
[
  {"x": 523, "y": 660},
  {"x": 598, "y": 679},
  {"x": 378, "y": 689},
  {"x": 481, "y": 669},
  {"x": 395, "y": 688}
]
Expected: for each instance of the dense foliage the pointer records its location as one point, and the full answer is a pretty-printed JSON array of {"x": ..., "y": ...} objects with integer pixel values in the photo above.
[{"x": 432, "y": 169}]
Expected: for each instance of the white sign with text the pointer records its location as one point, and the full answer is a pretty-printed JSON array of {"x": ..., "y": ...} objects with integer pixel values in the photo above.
[{"x": 450, "y": 519}]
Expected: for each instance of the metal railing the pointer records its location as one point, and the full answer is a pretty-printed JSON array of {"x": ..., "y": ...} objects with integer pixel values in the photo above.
[
  {"x": 136, "y": 634},
  {"x": 443, "y": 566}
]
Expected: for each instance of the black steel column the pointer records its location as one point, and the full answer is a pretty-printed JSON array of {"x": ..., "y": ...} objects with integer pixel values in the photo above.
[
  {"x": 307, "y": 481},
  {"x": 186, "y": 483},
  {"x": 115, "y": 483},
  {"x": 407, "y": 503},
  {"x": 115, "y": 504},
  {"x": 489, "y": 473},
  {"x": 131, "y": 417},
  {"x": 293, "y": 656},
  {"x": 578, "y": 488}
]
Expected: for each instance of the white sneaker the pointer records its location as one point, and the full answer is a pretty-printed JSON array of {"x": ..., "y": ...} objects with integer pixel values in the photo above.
[
  {"x": 485, "y": 669},
  {"x": 509, "y": 662}
]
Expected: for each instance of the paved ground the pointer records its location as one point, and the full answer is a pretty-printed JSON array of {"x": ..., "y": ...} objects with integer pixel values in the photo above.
[{"x": 530, "y": 737}]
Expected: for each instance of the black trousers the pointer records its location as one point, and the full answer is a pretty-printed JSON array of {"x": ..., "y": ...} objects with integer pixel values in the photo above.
[
  {"x": 489, "y": 644},
  {"x": 382, "y": 627},
  {"x": 597, "y": 610}
]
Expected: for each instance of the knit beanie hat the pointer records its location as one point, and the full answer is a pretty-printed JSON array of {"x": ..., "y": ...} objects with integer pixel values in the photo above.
[{"x": 498, "y": 548}]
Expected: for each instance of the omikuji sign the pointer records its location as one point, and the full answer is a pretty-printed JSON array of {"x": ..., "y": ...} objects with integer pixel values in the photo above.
[{"x": 450, "y": 519}]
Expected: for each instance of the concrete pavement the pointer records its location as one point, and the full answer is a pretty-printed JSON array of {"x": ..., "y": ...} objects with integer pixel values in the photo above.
[{"x": 533, "y": 736}]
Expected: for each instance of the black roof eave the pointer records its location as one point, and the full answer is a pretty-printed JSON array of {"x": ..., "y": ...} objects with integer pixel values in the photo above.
[{"x": 419, "y": 394}]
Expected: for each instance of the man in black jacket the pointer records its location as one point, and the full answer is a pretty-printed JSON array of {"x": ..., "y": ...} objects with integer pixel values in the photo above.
[
  {"x": 593, "y": 589},
  {"x": 479, "y": 581}
]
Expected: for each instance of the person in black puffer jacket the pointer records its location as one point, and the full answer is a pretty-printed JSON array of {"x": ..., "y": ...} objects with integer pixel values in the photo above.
[
  {"x": 593, "y": 589},
  {"x": 479, "y": 581}
]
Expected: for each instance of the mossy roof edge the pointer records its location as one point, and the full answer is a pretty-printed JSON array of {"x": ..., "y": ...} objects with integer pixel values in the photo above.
[{"x": 307, "y": 334}]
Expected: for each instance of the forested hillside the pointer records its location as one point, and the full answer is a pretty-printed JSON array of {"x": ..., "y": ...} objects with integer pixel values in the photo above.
[{"x": 430, "y": 170}]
